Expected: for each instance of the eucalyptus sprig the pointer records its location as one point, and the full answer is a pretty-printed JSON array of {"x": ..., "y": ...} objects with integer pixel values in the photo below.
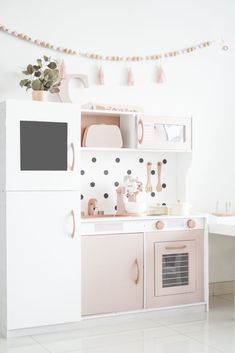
[{"x": 42, "y": 76}]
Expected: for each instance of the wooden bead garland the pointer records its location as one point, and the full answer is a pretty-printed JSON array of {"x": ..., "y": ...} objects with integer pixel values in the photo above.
[{"x": 95, "y": 56}]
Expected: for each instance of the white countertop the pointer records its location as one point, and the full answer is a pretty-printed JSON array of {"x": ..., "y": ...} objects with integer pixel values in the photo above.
[
  {"x": 140, "y": 218},
  {"x": 222, "y": 225}
]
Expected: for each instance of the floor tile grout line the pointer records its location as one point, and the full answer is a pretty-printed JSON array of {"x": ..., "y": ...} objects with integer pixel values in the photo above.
[
  {"x": 110, "y": 344},
  {"x": 206, "y": 345},
  {"x": 46, "y": 350},
  {"x": 127, "y": 330}
]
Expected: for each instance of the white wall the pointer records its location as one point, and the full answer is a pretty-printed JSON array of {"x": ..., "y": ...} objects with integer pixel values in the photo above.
[{"x": 201, "y": 84}]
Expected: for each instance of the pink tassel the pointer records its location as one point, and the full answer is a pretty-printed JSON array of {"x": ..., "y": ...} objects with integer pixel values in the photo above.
[
  {"x": 62, "y": 69},
  {"x": 130, "y": 78},
  {"x": 160, "y": 76},
  {"x": 100, "y": 76}
]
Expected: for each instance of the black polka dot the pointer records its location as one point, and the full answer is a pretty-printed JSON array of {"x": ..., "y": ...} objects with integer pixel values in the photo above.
[
  {"x": 164, "y": 161},
  {"x": 163, "y": 204},
  {"x": 164, "y": 185},
  {"x": 106, "y": 195},
  {"x": 93, "y": 159},
  {"x": 129, "y": 172},
  {"x": 106, "y": 172},
  {"x": 152, "y": 194},
  {"x": 115, "y": 207},
  {"x": 141, "y": 160},
  {"x": 92, "y": 184},
  {"x": 82, "y": 172},
  {"x": 152, "y": 172},
  {"x": 82, "y": 197},
  {"x": 116, "y": 183},
  {"x": 117, "y": 160}
]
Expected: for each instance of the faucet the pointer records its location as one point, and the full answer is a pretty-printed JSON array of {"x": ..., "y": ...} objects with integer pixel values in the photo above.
[{"x": 92, "y": 206}]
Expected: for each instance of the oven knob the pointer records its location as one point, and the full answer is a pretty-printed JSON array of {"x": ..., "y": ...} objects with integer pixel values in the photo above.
[
  {"x": 191, "y": 223},
  {"x": 160, "y": 225}
]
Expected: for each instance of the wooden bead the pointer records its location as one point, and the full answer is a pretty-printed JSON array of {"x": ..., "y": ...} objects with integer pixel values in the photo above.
[{"x": 4, "y": 29}]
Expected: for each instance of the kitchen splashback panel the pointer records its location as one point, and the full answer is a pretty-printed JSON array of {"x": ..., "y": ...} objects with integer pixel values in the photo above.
[{"x": 103, "y": 171}]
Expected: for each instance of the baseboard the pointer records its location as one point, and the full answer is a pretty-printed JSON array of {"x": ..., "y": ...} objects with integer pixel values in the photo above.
[{"x": 95, "y": 321}]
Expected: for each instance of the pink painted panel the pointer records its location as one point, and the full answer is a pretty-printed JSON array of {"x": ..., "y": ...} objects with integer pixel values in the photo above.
[
  {"x": 112, "y": 273},
  {"x": 159, "y": 244}
]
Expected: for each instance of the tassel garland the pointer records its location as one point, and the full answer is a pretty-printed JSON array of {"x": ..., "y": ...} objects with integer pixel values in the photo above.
[
  {"x": 100, "y": 75},
  {"x": 130, "y": 77},
  {"x": 62, "y": 70},
  {"x": 160, "y": 75}
]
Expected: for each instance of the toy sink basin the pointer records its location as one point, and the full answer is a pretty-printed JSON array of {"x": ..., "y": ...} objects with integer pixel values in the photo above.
[{"x": 135, "y": 207}]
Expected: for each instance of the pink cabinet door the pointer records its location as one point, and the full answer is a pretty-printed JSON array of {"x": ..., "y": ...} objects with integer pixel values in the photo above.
[{"x": 112, "y": 273}]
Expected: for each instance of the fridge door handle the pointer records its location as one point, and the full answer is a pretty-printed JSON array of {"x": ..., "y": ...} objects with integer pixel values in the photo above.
[
  {"x": 73, "y": 159},
  {"x": 74, "y": 224}
]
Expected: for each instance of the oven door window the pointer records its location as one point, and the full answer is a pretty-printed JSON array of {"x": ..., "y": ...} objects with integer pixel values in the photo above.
[{"x": 43, "y": 145}]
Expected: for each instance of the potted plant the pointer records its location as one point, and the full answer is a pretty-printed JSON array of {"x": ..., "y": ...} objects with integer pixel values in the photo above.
[{"x": 42, "y": 77}]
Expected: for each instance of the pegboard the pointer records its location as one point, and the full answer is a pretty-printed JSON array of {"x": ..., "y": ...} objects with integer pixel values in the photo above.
[{"x": 103, "y": 171}]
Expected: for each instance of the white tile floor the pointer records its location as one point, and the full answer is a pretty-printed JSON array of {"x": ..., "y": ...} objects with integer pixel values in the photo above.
[{"x": 141, "y": 333}]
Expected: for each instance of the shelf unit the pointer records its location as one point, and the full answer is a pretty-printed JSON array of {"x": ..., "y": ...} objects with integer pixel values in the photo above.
[{"x": 96, "y": 185}]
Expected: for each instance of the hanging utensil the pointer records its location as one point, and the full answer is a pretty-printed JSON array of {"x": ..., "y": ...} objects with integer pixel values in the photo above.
[
  {"x": 149, "y": 187},
  {"x": 159, "y": 183}
]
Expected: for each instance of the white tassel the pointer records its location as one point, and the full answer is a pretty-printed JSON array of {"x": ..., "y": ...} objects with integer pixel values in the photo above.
[
  {"x": 130, "y": 77},
  {"x": 160, "y": 75},
  {"x": 100, "y": 76}
]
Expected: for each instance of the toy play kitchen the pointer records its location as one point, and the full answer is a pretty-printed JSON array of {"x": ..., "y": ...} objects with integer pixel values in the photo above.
[{"x": 94, "y": 208}]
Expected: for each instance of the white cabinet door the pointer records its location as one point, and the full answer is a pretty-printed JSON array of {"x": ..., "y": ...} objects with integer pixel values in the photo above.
[
  {"x": 164, "y": 133},
  {"x": 112, "y": 273},
  {"x": 43, "y": 258},
  {"x": 42, "y": 145}
]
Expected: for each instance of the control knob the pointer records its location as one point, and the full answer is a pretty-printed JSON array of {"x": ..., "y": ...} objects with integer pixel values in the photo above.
[
  {"x": 191, "y": 223},
  {"x": 160, "y": 225}
]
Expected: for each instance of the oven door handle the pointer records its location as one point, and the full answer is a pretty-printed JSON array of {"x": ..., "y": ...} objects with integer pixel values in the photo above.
[{"x": 178, "y": 247}]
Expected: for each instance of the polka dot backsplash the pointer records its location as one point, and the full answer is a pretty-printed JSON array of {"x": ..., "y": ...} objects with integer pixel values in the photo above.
[{"x": 103, "y": 171}]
